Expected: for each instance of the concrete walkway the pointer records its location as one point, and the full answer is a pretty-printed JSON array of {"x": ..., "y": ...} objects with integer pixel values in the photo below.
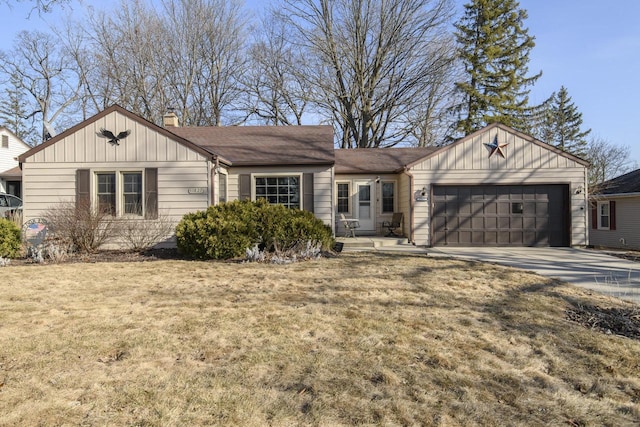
[{"x": 587, "y": 268}]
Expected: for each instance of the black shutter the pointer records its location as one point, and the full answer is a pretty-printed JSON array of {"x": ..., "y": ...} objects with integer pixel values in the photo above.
[
  {"x": 612, "y": 215},
  {"x": 151, "y": 193},
  {"x": 307, "y": 185},
  {"x": 83, "y": 188},
  {"x": 245, "y": 187},
  {"x": 594, "y": 217}
]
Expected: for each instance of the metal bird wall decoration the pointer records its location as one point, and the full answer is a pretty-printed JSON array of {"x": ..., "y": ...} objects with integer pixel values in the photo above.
[{"x": 113, "y": 139}]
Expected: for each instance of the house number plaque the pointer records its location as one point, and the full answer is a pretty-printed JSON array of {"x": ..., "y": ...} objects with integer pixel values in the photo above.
[{"x": 197, "y": 190}]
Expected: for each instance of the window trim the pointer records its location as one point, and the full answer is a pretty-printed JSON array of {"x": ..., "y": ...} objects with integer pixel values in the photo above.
[
  {"x": 600, "y": 216},
  {"x": 222, "y": 198},
  {"x": 254, "y": 176},
  {"x": 349, "y": 197},
  {"x": 119, "y": 190},
  {"x": 395, "y": 198},
  {"x": 123, "y": 194}
]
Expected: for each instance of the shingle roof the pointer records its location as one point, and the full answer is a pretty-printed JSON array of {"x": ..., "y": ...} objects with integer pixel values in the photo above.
[
  {"x": 627, "y": 183},
  {"x": 14, "y": 172},
  {"x": 264, "y": 145},
  {"x": 379, "y": 160}
]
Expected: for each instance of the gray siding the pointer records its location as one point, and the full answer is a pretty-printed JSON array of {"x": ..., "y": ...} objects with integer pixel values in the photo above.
[{"x": 627, "y": 226}]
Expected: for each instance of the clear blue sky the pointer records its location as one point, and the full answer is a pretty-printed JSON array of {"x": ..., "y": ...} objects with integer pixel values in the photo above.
[{"x": 589, "y": 46}]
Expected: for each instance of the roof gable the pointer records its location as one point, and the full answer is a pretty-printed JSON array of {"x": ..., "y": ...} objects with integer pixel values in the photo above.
[
  {"x": 4, "y": 129},
  {"x": 515, "y": 151},
  {"x": 265, "y": 145},
  {"x": 101, "y": 115}
]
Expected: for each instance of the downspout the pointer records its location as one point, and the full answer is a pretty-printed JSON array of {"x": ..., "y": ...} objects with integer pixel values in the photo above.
[
  {"x": 411, "y": 206},
  {"x": 214, "y": 172}
]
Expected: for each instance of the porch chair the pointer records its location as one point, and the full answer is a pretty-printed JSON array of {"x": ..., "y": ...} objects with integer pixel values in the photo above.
[
  {"x": 394, "y": 224},
  {"x": 350, "y": 226}
]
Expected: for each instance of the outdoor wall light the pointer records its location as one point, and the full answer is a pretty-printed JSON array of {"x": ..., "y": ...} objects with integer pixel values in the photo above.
[{"x": 579, "y": 190}]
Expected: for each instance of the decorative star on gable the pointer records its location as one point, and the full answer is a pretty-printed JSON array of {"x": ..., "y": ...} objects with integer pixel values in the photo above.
[{"x": 495, "y": 146}]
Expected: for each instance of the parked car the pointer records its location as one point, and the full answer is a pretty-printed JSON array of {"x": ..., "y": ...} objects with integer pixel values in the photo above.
[{"x": 9, "y": 205}]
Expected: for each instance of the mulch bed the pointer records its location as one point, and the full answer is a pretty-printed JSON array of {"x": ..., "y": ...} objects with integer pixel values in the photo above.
[
  {"x": 616, "y": 321},
  {"x": 110, "y": 256}
]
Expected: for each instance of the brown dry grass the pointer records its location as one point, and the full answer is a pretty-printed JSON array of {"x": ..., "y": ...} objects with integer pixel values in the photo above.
[{"x": 388, "y": 339}]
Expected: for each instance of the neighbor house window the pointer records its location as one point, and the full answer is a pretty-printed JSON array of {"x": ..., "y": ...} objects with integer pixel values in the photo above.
[
  {"x": 343, "y": 197},
  {"x": 604, "y": 216},
  {"x": 132, "y": 192},
  {"x": 388, "y": 197},
  {"x": 5, "y": 141},
  {"x": 120, "y": 193},
  {"x": 106, "y": 192},
  {"x": 222, "y": 188},
  {"x": 283, "y": 190}
]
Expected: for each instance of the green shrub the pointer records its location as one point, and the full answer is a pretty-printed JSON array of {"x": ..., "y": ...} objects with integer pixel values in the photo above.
[
  {"x": 227, "y": 230},
  {"x": 10, "y": 244},
  {"x": 221, "y": 232}
]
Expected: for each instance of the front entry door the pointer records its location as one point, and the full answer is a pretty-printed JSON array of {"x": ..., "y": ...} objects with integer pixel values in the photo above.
[{"x": 365, "y": 206}]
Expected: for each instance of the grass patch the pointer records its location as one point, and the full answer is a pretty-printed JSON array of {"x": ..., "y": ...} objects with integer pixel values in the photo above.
[{"x": 365, "y": 338}]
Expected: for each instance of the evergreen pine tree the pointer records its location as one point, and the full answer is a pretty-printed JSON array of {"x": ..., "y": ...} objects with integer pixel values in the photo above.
[
  {"x": 494, "y": 47},
  {"x": 558, "y": 122},
  {"x": 14, "y": 115},
  {"x": 567, "y": 123}
]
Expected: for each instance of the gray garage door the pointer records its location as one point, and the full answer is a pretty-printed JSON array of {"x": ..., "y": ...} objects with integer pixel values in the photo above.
[{"x": 500, "y": 215}]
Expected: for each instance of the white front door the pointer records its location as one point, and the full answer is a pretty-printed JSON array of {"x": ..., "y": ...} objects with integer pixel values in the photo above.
[{"x": 366, "y": 205}]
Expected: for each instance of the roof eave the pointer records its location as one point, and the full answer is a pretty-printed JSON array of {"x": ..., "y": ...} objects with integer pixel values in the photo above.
[
  {"x": 323, "y": 163},
  {"x": 615, "y": 195}
]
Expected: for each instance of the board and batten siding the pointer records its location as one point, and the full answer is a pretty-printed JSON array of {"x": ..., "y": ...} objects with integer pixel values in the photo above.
[
  {"x": 322, "y": 185},
  {"x": 627, "y": 232},
  {"x": 526, "y": 163},
  {"x": 49, "y": 175}
]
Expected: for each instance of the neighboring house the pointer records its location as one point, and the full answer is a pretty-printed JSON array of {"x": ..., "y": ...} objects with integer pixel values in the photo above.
[
  {"x": 615, "y": 213},
  {"x": 494, "y": 187},
  {"x": 10, "y": 175}
]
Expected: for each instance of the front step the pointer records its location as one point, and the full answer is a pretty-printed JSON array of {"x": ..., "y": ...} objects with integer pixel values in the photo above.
[{"x": 372, "y": 242}]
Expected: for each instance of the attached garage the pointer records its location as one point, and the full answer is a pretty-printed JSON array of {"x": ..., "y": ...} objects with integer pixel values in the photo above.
[
  {"x": 497, "y": 187},
  {"x": 494, "y": 187},
  {"x": 500, "y": 215}
]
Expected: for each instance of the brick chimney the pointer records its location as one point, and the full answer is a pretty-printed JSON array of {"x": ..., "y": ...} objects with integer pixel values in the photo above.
[{"x": 170, "y": 119}]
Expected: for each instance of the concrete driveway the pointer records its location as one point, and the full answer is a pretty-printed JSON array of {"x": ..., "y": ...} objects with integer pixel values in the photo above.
[{"x": 587, "y": 268}]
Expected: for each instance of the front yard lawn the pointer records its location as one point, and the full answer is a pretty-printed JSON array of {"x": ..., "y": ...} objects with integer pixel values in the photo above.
[{"x": 364, "y": 338}]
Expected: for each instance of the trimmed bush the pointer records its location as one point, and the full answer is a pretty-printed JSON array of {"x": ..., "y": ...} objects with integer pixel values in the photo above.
[
  {"x": 227, "y": 230},
  {"x": 10, "y": 244}
]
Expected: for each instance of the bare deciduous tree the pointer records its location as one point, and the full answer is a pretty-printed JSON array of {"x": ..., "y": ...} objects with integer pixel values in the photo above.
[
  {"x": 370, "y": 61},
  {"x": 41, "y": 6},
  {"x": 42, "y": 68},
  {"x": 277, "y": 91},
  {"x": 181, "y": 54},
  {"x": 607, "y": 161}
]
